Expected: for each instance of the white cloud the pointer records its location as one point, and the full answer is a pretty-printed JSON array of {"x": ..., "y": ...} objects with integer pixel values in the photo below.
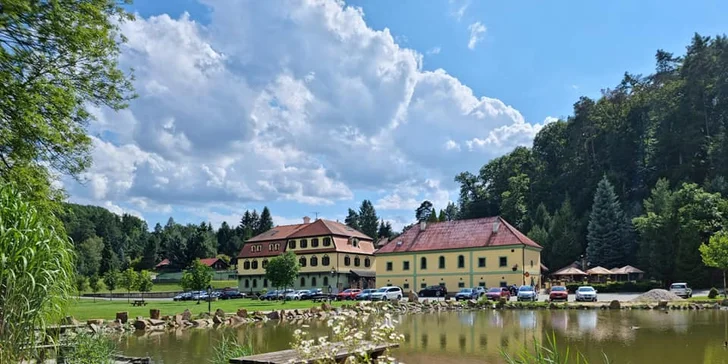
[
  {"x": 433, "y": 50},
  {"x": 458, "y": 8},
  {"x": 477, "y": 30},
  {"x": 302, "y": 103}
]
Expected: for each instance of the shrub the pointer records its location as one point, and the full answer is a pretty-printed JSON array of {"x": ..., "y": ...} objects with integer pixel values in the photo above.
[
  {"x": 228, "y": 348},
  {"x": 713, "y": 293},
  {"x": 547, "y": 353},
  {"x": 91, "y": 349}
]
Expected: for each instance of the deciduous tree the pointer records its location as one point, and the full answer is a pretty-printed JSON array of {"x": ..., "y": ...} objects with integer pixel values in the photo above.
[
  {"x": 282, "y": 270},
  {"x": 715, "y": 254},
  {"x": 197, "y": 277}
]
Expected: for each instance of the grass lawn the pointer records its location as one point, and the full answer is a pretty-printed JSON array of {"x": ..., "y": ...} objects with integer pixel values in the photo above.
[
  {"x": 705, "y": 298},
  {"x": 84, "y": 309},
  {"x": 171, "y": 287}
]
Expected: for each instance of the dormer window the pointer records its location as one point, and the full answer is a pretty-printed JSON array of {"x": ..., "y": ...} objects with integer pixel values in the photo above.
[
  {"x": 327, "y": 241},
  {"x": 354, "y": 242}
]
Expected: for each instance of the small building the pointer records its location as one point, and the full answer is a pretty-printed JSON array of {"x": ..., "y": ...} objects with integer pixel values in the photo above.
[
  {"x": 329, "y": 253},
  {"x": 482, "y": 252},
  {"x": 215, "y": 263}
]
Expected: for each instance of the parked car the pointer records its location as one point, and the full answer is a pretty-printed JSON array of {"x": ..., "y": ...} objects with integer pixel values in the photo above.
[
  {"x": 497, "y": 293},
  {"x": 387, "y": 293},
  {"x": 433, "y": 291},
  {"x": 466, "y": 294},
  {"x": 197, "y": 295},
  {"x": 681, "y": 289},
  {"x": 282, "y": 293},
  {"x": 296, "y": 295},
  {"x": 480, "y": 291},
  {"x": 348, "y": 294},
  {"x": 312, "y": 293},
  {"x": 230, "y": 294},
  {"x": 365, "y": 294},
  {"x": 269, "y": 296},
  {"x": 558, "y": 293},
  {"x": 527, "y": 293},
  {"x": 185, "y": 296},
  {"x": 586, "y": 293}
]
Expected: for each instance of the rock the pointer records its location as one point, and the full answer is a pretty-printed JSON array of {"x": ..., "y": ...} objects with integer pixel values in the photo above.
[
  {"x": 220, "y": 312},
  {"x": 217, "y": 320},
  {"x": 204, "y": 315},
  {"x": 123, "y": 317},
  {"x": 615, "y": 305},
  {"x": 274, "y": 315},
  {"x": 662, "y": 305},
  {"x": 140, "y": 325},
  {"x": 244, "y": 313},
  {"x": 282, "y": 315},
  {"x": 412, "y": 297},
  {"x": 155, "y": 322},
  {"x": 724, "y": 303},
  {"x": 97, "y": 322},
  {"x": 187, "y": 315},
  {"x": 325, "y": 306},
  {"x": 154, "y": 313},
  {"x": 199, "y": 323},
  {"x": 178, "y": 319},
  {"x": 94, "y": 328},
  {"x": 657, "y": 295},
  {"x": 69, "y": 320}
]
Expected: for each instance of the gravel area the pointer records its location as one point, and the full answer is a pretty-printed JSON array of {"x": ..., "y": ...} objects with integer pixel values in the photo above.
[{"x": 657, "y": 295}]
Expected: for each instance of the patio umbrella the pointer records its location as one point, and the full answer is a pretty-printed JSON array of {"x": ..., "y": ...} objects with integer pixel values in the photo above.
[{"x": 599, "y": 271}]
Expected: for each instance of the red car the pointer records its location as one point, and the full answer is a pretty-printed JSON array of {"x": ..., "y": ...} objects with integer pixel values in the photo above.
[
  {"x": 558, "y": 293},
  {"x": 497, "y": 293},
  {"x": 348, "y": 294}
]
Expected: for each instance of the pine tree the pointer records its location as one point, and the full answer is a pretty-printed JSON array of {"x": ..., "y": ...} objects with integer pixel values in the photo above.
[
  {"x": 442, "y": 216},
  {"x": 385, "y": 230},
  {"x": 451, "y": 211},
  {"x": 423, "y": 212},
  {"x": 433, "y": 216},
  {"x": 352, "y": 219},
  {"x": 265, "y": 222},
  {"x": 562, "y": 238},
  {"x": 368, "y": 219},
  {"x": 607, "y": 239}
]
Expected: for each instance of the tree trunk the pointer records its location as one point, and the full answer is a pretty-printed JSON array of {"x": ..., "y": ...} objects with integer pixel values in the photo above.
[
  {"x": 725, "y": 294},
  {"x": 111, "y": 295}
]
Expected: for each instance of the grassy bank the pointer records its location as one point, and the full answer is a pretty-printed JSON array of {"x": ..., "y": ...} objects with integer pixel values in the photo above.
[
  {"x": 170, "y": 287},
  {"x": 84, "y": 309}
]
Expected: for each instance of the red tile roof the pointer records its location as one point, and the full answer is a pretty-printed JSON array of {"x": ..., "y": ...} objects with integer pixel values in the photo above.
[
  {"x": 247, "y": 250},
  {"x": 211, "y": 261},
  {"x": 327, "y": 227},
  {"x": 163, "y": 263},
  {"x": 344, "y": 245},
  {"x": 277, "y": 233},
  {"x": 458, "y": 234}
]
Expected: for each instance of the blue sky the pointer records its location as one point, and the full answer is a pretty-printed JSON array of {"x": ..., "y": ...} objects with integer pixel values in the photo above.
[{"x": 308, "y": 106}]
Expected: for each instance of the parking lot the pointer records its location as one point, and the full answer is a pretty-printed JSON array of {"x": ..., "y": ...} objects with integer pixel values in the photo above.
[{"x": 601, "y": 297}]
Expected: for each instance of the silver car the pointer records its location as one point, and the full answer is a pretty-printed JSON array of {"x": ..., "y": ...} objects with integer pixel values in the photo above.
[
  {"x": 681, "y": 289},
  {"x": 527, "y": 293},
  {"x": 586, "y": 293}
]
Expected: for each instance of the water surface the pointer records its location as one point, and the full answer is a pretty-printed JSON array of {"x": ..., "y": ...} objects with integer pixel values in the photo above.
[{"x": 478, "y": 336}]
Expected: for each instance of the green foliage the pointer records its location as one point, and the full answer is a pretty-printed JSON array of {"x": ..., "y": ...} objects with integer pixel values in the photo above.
[
  {"x": 713, "y": 293},
  {"x": 442, "y": 216},
  {"x": 94, "y": 283},
  {"x": 228, "y": 348},
  {"x": 425, "y": 210},
  {"x": 128, "y": 280},
  {"x": 607, "y": 241},
  {"x": 368, "y": 220},
  {"x": 81, "y": 283},
  {"x": 433, "y": 216},
  {"x": 352, "y": 220},
  {"x": 282, "y": 270},
  {"x": 88, "y": 256},
  {"x": 563, "y": 246},
  {"x": 36, "y": 275},
  {"x": 197, "y": 277},
  {"x": 715, "y": 254},
  {"x": 618, "y": 287},
  {"x": 385, "y": 230},
  {"x": 548, "y": 353},
  {"x": 513, "y": 201},
  {"x": 91, "y": 349},
  {"x": 111, "y": 279},
  {"x": 144, "y": 281},
  {"x": 266, "y": 221}
]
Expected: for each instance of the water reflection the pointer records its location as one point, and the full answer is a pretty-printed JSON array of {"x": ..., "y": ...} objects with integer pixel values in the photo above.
[{"x": 477, "y": 337}]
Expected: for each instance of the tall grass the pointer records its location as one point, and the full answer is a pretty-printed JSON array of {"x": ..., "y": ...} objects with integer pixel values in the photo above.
[
  {"x": 228, "y": 348},
  {"x": 548, "y": 353},
  {"x": 36, "y": 276},
  {"x": 91, "y": 349}
]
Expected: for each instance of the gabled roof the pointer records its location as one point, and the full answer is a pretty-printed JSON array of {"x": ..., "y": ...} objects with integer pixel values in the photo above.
[
  {"x": 163, "y": 263},
  {"x": 598, "y": 271},
  {"x": 211, "y": 261},
  {"x": 570, "y": 271},
  {"x": 280, "y": 232},
  {"x": 458, "y": 234},
  {"x": 327, "y": 227},
  {"x": 627, "y": 269}
]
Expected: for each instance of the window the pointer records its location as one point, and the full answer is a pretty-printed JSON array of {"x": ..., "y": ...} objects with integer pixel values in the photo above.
[
  {"x": 255, "y": 283},
  {"x": 355, "y": 242},
  {"x": 325, "y": 260},
  {"x": 532, "y": 264},
  {"x": 389, "y": 266},
  {"x": 461, "y": 284},
  {"x": 481, "y": 284},
  {"x": 442, "y": 284},
  {"x": 247, "y": 283},
  {"x": 314, "y": 243},
  {"x": 347, "y": 261},
  {"x": 265, "y": 283},
  {"x": 302, "y": 261},
  {"x": 481, "y": 262},
  {"x": 265, "y": 263},
  {"x": 367, "y": 262},
  {"x": 313, "y": 281},
  {"x": 405, "y": 286},
  {"x": 291, "y": 244},
  {"x": 278, "y": 246},
  {"x": 423, "y": 285},
  {"x": 270, "y": 247},
  {"x": 441, "y": 262},
  {"x": 303, "y": 282},
  {"x": 314, "y": 261},
  {"x": 461, "y": 261},
  {"x": 423, "y": 263},
  {"x": 405, "y": 265},
  {"x": 255, "y": 264},
  {"x": 357, "y": 261},
  {"x": 503, "y": 261},
  {"x": 326, "y": 281},
  {"x": 304, "y": 243},
  {"x": 246, "y": 265},
  {"x": 327, "y": 241}
]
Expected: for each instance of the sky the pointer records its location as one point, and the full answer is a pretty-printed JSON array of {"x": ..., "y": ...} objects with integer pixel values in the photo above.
[{"x": 311, "y": 106}]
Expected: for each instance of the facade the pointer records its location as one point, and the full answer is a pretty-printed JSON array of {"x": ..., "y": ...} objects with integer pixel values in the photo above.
[
  {"x": 486, "y": 252},
  {"x": 330, "y": 254}
]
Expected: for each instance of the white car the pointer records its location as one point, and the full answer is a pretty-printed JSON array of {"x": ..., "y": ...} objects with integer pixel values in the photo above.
[
  {"x": 681, "y": 289},
  {"x": 527, "y": 293},
  {"x": 387, "y": 293},
  {"x": 586, "y": 293},
  {"x": 296, "y": 295}
]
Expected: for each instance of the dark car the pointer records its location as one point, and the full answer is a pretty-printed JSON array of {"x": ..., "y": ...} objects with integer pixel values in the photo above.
[
  {"x": 311, "y": 294},
  {"x": 270, "y": 295},
  {"x": 365, "y": 294},
  {"x": 558, "y": 293},
  {"x": 186, "y": 296},
  {"x": 433, "y": 291},
  {"x": 231, "y": 294}
]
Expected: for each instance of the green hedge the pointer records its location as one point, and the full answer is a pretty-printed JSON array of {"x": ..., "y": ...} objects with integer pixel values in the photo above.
[{"x": 617, "y": 287}]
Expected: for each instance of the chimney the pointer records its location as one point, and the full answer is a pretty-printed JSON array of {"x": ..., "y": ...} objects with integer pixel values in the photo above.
[
  {"x": 496, "y": 225},
  {"x": 423, "y": 225},
  {"x": 306, "y": 219}
]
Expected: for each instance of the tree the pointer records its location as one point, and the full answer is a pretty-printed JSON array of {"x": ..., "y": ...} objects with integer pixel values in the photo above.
[
  {"x": 282, "y": 270},
  {"x": 127, "y": 280},
  {"x": 88, "y": 256},
  {"x": 144, "y": 282},
  {"x": 111, "y": 278},
  {"x": 266, "y": 221},
  {"x": 715, "y": 254},
  {"x": 607, "y": 238},
  {"x": 368, "y": 220},
  {"x": 441, "y": 216},
  {"x": 200, "y": 244},
  {"x": 513, "y": 201},
  {"x": 149, "y": 254},
  {"x": 57, "y": 61},
  {"x": 95, "y": 284},
  {"x": 36, "y": 274},
  {"x": 423, "y": 212},
  {"x": 564, "y": 248},
  {"x": 451, "y": 212},
  {"x": 81, "y": 284},
  {"x": 433, "y": 216},
  {"x": 197, "y": 277},
  {"x": 658, "y": 230},
  {"x": 352, "y": 219},
  {"x": 225, "y": 236},
  {"x": 385, "y": 230}
]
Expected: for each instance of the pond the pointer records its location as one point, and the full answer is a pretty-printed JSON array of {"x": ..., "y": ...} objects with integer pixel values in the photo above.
[{"x": 478, "y": 336}]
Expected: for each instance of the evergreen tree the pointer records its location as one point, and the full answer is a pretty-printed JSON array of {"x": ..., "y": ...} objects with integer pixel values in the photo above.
[
  {"x": 109, "y": 259},
  {"x": 442, "y": 216},
  {"x": 149, "y": 255},
  {"x": 385, "y": 230},
  {"x": 368, "y": 219},
  {"x": 224, "y": 240},
  {"x": 352, "y": 219},
  {"x": 562, "y": 239},
  {"x": 254, "y": 222},
  {"x": 451, "y": 211},
  {"x": 201, "y": 244},
  {"x": 607, "y": 243},
  {"x": 266, "y": 221},
  {"x": 658, "y": 231},
  {"x": 433, "y": 216},
  {"x": 541, "y": 217},
  {"x": 423, "y": 212}
]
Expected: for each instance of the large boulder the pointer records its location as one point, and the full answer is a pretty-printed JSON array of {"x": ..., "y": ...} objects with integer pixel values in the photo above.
[
  {"x": 220, "y": 312},
  {"x": 242, "y": 313},
  {"x": 155, "y": 322},
  {"x": 123, "y": 317},
  {"x": 274, "y": 315},
  {"x": 140, "y": 325},
  {"x": 615, "y": 305},
  {"x": 724, "y": 302},
  {"x": 326, "y": 306},
  {"x": 662, "y": 305},
  {"x": 154, "y": 313},
  {"x": 187, "y": 315},
  {"x": 217, "y": 320},
  {"x": 412, "y": 297}
]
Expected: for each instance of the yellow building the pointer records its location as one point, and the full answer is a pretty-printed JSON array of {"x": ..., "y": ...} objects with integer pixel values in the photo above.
[
  {"x": 329, "y": 253},
  {"x": 486, "y": 252}
]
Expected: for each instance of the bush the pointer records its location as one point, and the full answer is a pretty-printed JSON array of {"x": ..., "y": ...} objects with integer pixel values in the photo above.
[
  {"x": 713, "y": 293},
  {"x": 617, "y": 287},
  {"x": 91, "y": 349}
]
